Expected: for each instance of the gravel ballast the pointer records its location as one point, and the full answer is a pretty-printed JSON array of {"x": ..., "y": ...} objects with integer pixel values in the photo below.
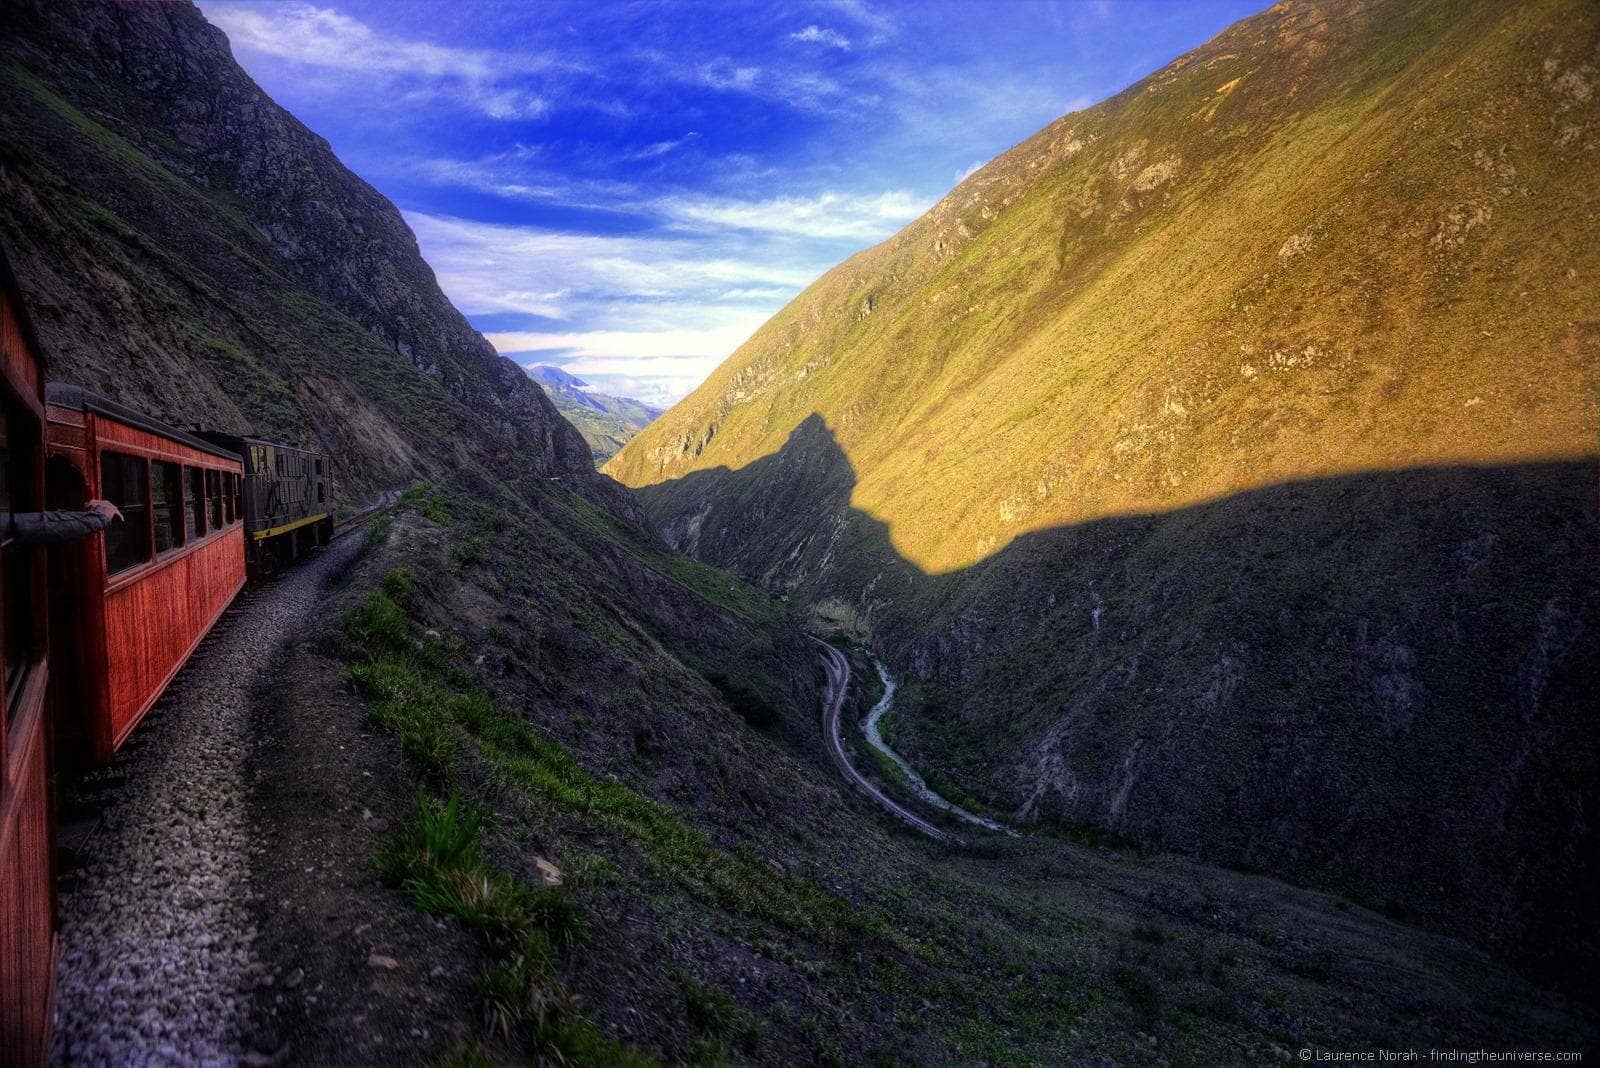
[{"x": 157, "y": 958}]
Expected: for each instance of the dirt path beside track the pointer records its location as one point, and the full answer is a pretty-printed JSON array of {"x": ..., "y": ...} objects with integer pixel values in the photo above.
[{"x": 158, "y": 960}]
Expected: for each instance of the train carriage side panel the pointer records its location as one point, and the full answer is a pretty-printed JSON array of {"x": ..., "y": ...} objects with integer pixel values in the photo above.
[
  {"x": 187, "y": 597},
  {"x": 27, "y": 878},
  {"x": 27, "y": 893},
  {"x": 156, "y": 583},
  {"x": 157, "y": 612},
  {"x": 80, "y": 686}
]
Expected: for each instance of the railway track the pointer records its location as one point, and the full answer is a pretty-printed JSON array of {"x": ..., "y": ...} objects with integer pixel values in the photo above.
[
  {"x": 152, "y": 853},
  {"x": 86, "y": 797},
  {"x": 833, "y": 695},
  {"x": 88, "y": 794},
  {"x": 385, "y": 501}
]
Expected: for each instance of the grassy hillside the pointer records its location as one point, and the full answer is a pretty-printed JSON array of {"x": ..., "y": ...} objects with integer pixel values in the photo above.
[
  {"x": 1222, "y": 461},
  {"x": 728, "y": 899},
  {"x": 1337, "y": 238}
]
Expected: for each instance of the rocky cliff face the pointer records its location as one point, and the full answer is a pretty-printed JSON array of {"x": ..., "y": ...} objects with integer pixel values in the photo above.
[
  {"x": 1220, "y": 462},
  {"x": 189, "y": 247}
]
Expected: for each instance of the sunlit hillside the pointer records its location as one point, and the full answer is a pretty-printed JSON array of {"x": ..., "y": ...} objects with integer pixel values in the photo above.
[
  {"x": 1321, "y": 244},
  {"x": 1218, "y": 465}
]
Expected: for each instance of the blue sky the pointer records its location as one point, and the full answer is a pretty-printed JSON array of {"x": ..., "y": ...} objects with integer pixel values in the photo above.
[{"x": 629, "y": 189}]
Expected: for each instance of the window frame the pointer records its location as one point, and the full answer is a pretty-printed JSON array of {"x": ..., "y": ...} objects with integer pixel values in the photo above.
[
  {"x": 214, "y": 516},
  {"x": 179, "y": 536},
  {"x": 194, "y": 504},
  {"x": 22, "y": 447},
  {"x": 195, "y": 473},
  {"x": 146, "y": 505}
]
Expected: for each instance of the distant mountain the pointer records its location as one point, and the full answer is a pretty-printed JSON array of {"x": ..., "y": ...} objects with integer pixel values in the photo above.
[
  {"x": 1219, "y": 464},
  {"x": 607, "y": 423},
  {"x": 555, "y": 377}
]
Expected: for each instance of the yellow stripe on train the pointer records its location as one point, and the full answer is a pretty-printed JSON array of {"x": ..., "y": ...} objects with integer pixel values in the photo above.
[{"x": 275, "y": 531}]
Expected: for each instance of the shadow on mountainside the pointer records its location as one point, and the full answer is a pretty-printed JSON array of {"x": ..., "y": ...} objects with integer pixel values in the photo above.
[{"x": 1379, "y": 684}]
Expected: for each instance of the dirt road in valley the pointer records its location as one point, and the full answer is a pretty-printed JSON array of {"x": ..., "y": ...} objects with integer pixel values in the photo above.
[{"x": 833, "y": 694}]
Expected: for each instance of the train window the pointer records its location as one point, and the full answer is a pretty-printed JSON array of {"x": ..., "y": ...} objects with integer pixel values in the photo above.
[
  {"x": 16, "y": 578},
  {"x": 226, "y": 489},
  {"x": 237, "y": 484},
  {"x": 322, "y": 489},
  {"x": 214, "y": 498},
  {"x": 166, "y": 502},
  {"x": 125, "y": 483},
  {"x": 319, "y": 467},
  {"x": 194, "y": 512}
]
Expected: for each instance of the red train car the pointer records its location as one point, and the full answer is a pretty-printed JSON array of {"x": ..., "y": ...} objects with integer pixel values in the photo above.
[
  {"x": 27, "y": 878},
  {"x": 115, "y": 615},
  {"x": 132, "y": 603}
]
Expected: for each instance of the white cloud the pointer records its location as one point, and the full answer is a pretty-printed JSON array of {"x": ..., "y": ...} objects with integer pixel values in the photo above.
[
  {"x": 493, "y": 268},
  {"x": 723, "y": 73},
  {"x": 802, "y": 89},
  {"x": 507, "y": 103},
  {"x": 985, "y": 106},
  {"x": 660, "y": 390},
  {"x": 661, "y": 148},
  {"x": 667, "y": 307},
  {"x": 637, "y": 352},
  {"x": 879, "y": 26},
  {"x": 821, "y": 35},
  {"x": 755, "y": 293},
  {"x": 307, "y": 36},
  {"x": 518, "y": 174},
  {"x": 830, "y": 215},
  {"x": 968, "y": 171},
  {"x": 324, "y": 38},
  {"x": 827, "y": 215}
]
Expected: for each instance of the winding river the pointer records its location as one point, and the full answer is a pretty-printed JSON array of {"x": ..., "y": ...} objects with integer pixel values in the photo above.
[{"x": 915, "y": 781}]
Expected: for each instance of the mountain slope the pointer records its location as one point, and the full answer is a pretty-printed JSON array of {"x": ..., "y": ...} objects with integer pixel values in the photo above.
[
  {"x": 1220, "y": 462},
  {"x": 606, "y": 423},
  {"x": 189, "y": 247}
]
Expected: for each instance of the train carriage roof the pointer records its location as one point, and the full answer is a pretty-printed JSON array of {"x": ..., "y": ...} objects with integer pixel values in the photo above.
[
  {"x": 79, "y": 399},
  {"x": 238, "y": 441}
]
